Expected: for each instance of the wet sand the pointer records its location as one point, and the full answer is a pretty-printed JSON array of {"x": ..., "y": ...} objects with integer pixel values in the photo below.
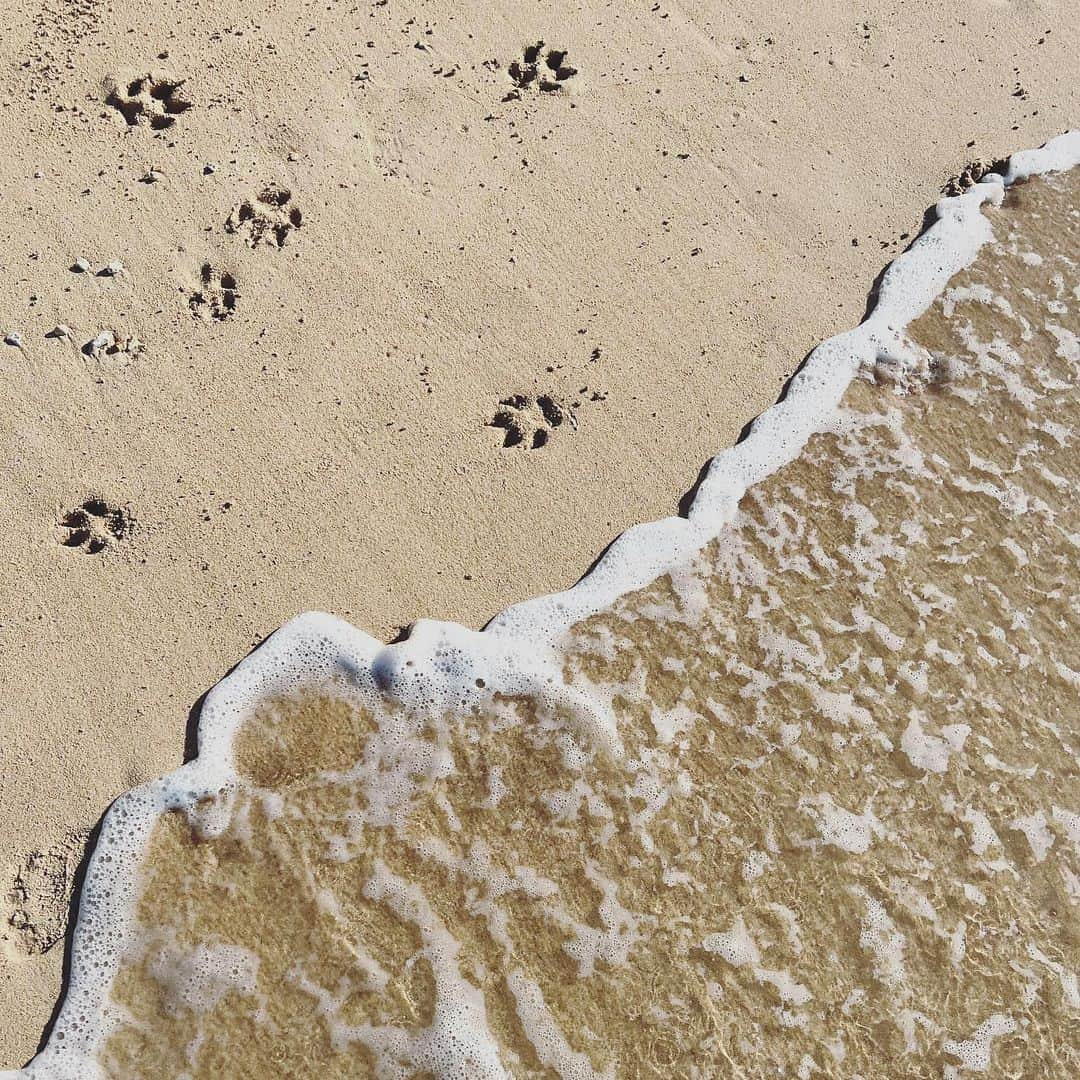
[
  {"x": 268, "y": 404},
  {"x": 831, "y": 832}
]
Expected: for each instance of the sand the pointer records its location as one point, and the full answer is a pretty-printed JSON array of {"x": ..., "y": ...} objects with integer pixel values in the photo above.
[
  {"x": 654, "y": 245},
  {"x": 764, "y": 816}
]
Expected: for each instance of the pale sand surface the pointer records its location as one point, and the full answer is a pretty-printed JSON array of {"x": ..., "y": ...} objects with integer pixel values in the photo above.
[
  {"x": 454, "y": 249},
  {"x": 818, "y": 819}
]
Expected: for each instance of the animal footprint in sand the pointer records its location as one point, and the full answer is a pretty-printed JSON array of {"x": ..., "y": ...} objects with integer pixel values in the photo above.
[
  {"x": 536, "y": 70},
  {"x": 148, "y": 100},
  {"x": 973, "y": 174},
  {"x": 216, "y": 296},
  {"x": 529, "y": 421},
  {"x": 37, "y": 901},
  {"x": 95, "y": 525},
  {"x": 266, "y": 219}
]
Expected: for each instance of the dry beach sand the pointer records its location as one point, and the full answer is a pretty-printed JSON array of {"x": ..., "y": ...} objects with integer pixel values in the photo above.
[
  {"x": 338, "y": 256},
  {"x": 802, "y": 805}
]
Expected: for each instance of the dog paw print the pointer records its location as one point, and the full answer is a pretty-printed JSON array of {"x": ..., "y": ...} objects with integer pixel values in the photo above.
[
  {"x": 39, "y": 896},
  {"x": 95, "y": 525},
  {"x": 148, "y": 100},
  {"x": 269, "y": 218},
  {"x": 215, "y": 298},
  {"x": 972, "y": 175},
  {"x": 545, "y": 72},
  {"x": 528, "y": 421}
]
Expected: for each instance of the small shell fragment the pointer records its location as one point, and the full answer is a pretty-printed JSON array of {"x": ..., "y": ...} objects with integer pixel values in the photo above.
[
  {"x": 14, "y": 339},
  {"x": 60, "y": 331},
  {"x": 113, "y": 269},
  {"x": 80, "y": 266},
  {"x": 104, "y": 341},
  {"x": 109, "y": 343}
]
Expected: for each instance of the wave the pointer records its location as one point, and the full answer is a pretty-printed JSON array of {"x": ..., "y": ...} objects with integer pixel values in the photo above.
[{"x": 325, "y": 706}]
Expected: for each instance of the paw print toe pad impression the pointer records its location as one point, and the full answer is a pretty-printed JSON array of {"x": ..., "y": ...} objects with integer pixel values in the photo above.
[{"x": 94, "y": 525}]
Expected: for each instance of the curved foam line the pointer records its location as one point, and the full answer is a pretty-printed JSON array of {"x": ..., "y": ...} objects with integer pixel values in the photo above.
[
  {"x": 442, "y": 665},
  {"x": 910, "y": 284}
]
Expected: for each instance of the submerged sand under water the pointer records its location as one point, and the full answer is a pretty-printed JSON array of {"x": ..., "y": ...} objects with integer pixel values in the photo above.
[{"x": 837, "y": 833}]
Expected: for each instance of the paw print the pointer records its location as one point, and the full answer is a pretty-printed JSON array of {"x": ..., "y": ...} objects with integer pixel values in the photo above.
[
  {"x": 529, "y": 421},
  {"x": 266, "y": 219},
  {"x": 216, "y": 296},
  {"x": 537, "y": 70},
  {"x": 36, "y": 904},
  {"x": 95, "y": 525},
  {"x": 149, "y": 100},
  {"x": 973, "y": 174}
]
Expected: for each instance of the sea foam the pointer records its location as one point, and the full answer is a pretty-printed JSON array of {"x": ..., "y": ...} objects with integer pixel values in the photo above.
[{"x": 611, "y": 699}]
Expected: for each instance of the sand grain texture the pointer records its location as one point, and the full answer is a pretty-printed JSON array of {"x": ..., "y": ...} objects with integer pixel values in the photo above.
[
  {"x": 803, "y": 804},
  {"x": 339, "y": 254}
]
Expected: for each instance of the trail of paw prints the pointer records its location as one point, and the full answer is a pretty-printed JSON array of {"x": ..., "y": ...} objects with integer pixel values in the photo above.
[
  {"x": 148, "y": 99},
  {"x": 95, "y": 525},
  {"x": 216, "y": 296},
  {"x": 38, "y": 897},
  {"x": 528, "y": 421},
  {"x": 270, "y": 218},
  {"x": 539, "y": 71}
]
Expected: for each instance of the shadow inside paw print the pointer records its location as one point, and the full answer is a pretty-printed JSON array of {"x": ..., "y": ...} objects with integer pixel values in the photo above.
[
  {"x": 149, "y": 100},
  {"x": 537, "y": 70},
  {"x": 95, "y": 525},
  {"x": 529, "y": 421},
  {"x": 266, "y": 219},
  {"x": 216, "y": 296}
]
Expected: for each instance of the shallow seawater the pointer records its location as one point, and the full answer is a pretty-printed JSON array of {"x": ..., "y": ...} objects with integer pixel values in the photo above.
[{"x": 835, "y": 833}]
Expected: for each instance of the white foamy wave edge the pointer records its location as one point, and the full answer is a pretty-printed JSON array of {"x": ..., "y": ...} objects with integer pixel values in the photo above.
[{"x": 443, "y": 666}]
